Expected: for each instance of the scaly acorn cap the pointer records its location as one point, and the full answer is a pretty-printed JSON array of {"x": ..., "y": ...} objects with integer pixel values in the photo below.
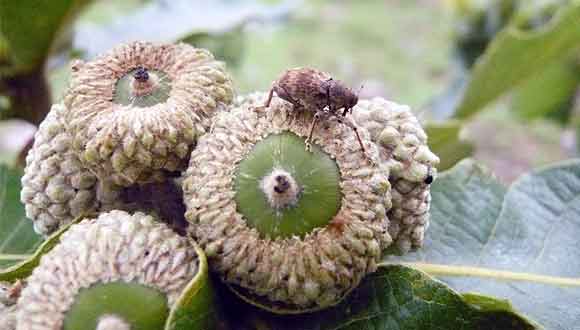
[
  {"x": 9, "y": 293},
  {"x": 135, "y": 113},
  {"x": 118, "y": 270},
  {"x": 289, "y": 229},
  {"x": 404, "y": 149},
  {"x": 8, "y": 317},
  {"x": 56, "y": 187}
]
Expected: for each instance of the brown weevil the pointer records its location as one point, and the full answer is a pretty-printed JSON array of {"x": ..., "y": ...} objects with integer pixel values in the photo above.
[{"x": 313, "y": 90}]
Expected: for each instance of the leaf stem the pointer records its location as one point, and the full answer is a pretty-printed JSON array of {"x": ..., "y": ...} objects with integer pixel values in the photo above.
[
  {"x": 15, "y": 256},
  {"x": 502, "y": 275}
]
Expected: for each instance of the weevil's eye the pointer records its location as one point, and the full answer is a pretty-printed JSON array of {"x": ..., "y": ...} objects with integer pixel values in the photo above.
[{"x": 428, "y": 179}]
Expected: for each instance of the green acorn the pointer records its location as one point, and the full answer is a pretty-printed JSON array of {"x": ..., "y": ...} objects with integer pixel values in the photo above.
[
  {"x": 404, "y": 150},
  {"x": 118, "y": 271},
  {"x": 291, "y": 230},
  {"x": 135, "y": 113}
]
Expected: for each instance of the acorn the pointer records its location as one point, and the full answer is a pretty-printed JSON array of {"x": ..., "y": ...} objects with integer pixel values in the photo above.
[
  {"x": 290, "y": 230},
  {"x": 136, "y": 112},
  {"x": 119, "y": 271},
  {"x": 56, "y": 187},
  {"x": 403, "y": 149}
]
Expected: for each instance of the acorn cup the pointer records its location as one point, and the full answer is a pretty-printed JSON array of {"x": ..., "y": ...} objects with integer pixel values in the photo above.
[
  {"x": 56, "y": 187},
  {"x": 9, "y": 292},
  {"x": 404, "y": 150},
  {"x": 130, "y": 121},
  {"x": 290, "y": 230},
  {"x": 119, "y": 271},
  {"x": 136, "y": 112}
]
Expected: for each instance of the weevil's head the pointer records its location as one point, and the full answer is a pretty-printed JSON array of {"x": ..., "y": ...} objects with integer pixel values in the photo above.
[{"x": 342, "y": 97}]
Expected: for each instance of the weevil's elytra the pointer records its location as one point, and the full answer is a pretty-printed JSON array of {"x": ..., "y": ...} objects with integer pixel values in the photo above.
[{"x": 316, "y": 91}]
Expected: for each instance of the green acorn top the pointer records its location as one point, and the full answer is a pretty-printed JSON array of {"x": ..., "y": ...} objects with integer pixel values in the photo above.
[
  {"x": 290, "y": 229},
  {"x": 135, "y": 113},
  {"x": 118, "y": 271}
]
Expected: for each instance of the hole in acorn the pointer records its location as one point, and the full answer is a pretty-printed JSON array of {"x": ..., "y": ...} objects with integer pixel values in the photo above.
[
  {"x": 141, "y": 74},
  {"x": 280, "y": 189},
  {"x": 282, "y": 184}
]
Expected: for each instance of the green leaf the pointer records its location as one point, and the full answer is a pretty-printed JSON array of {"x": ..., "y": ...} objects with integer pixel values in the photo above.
[
  {"x": 30, "y": 27},
  {"x": 395, "y": 297},
  {"x": 24, "y": 268},
  {"x": 226, "y": 46},
  {"x": 515, "y": 55},
  {"x": 445, "y": 142},
  {"x": 518, "y": 243},
  {"x": 3, "y": 50},
  {"x": 17, "y": 236},
  {"x": 549, "y": 92},
  {"x": 196, "y": 308}
]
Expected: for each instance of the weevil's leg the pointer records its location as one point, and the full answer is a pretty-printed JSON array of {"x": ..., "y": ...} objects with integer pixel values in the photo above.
[
  {"x": 296, "y": 106},
  {"x": 312, "y": 126},
  {"x": 283, "y": 93},
  {"x": 355, "y": 129},
  {"x": 270, "y": 95},
  {"x": 327, "y": 87}
]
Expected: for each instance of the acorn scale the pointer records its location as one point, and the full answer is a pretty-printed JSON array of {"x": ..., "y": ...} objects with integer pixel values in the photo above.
[
  {"x": 119, "y": 271},
  {"x": 404, "y": 150},
  {"x": 290, "y": 230},
  {"x": 9, "y": 293},
  {"x": 135, "y": 113}
]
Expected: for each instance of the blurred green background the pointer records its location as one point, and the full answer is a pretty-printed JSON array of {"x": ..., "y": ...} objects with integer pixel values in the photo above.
[{"x": 514, "y": 110}]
